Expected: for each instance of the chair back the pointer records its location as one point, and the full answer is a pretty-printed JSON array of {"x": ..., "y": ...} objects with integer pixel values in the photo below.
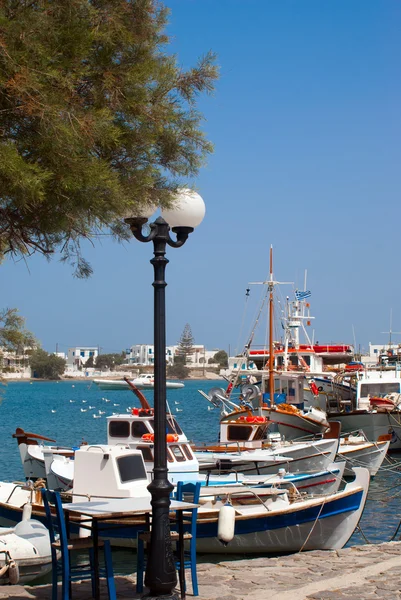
[
  {"x": 55, "y": 522},
  {"x": 189, "y": 492}
]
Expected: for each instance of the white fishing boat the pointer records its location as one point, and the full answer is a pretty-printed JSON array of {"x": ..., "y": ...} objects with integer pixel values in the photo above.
[
  {"x": 358, "y": 451},
  {"x": 25, "y": 553},
  {"x": 372, "y": 406},
  {"x": 280, "y": 524},
  {"x": 267, "y": 519},
  {"x": 145, "y": 381}
]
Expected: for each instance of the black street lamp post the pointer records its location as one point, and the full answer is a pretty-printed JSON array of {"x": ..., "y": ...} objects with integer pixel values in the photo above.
[{"x": 161, "y": 577}]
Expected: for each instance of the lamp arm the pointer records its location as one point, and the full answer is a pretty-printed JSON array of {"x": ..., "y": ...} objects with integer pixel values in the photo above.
[{"x": 182, "y": 234}]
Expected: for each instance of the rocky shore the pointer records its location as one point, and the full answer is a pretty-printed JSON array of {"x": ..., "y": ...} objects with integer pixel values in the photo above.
[{"x": 369, "y": 572}]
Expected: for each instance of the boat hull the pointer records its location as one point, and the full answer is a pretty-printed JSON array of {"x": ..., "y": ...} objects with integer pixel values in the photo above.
[
  {"x": 327, "y": 525},
  {"x": 373, "y": 425},
  {"x": 293, "y": 426},
  {"x": 368, "y": 455},
  {"x": 324, "y": 523},
  {"x": 295, "y": 458}
]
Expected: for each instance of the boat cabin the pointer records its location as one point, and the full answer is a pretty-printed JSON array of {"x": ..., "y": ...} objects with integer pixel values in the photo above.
[
  {"x": 136, "y": 430},
  {"x": 109, "y": 471},
  {"x": 376, "y": 384}
]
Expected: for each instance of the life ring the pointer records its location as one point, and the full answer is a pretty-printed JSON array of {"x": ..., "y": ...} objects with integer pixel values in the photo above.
[
  {"x": 148, "y": 437},
  {"x": 172, "y": 437}
]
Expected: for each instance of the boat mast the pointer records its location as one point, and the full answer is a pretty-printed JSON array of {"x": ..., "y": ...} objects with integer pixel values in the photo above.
[{"x": 270, "y": 287}]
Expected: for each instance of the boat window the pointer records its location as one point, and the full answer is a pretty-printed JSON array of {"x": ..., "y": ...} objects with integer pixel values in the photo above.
[
  {"x": 178, "y": 455},
  {"x": 139, "y": 428},
  {"x": 146, "y": 453},
  {"x": 307, "y": 359},
  {"x": 119, "y": 429},
  {"x": 239, "y": 433},
  {"x": 172, "y": 426},
  {"x": 131, "y": 468},
  {"x": 169, "y": 456},
  {"x": 260, "y": 433},
  {"x": 379, "y": 389},
  {"x": 187, "y": 451}
]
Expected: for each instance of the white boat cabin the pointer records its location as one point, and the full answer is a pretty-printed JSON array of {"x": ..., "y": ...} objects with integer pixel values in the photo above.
[
  {"x": 376, "y": 384},
  {"x": 109, "y": 471},
  {"x": 137, "y": 431}
]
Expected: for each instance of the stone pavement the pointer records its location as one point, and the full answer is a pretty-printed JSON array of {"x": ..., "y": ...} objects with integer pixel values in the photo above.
[{"x": 361, "y": 573}]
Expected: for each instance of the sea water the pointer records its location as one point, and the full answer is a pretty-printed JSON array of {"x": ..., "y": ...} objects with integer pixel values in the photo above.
[{"x": 61, "y": 411}]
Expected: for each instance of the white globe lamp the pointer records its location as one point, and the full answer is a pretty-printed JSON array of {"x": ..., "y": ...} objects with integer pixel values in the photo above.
[{"x": 188, "y": 210}]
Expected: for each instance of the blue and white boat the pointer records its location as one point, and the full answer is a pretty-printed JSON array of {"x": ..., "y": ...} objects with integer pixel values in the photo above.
[
  {"x": 267, "y": 518},
  {"x": 281, "y": 523}
]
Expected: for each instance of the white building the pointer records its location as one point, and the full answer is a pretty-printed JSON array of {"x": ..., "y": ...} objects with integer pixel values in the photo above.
[
  {"x": 15, "y": 364},
  {"x": 380, "y": 350},
  {"x": 144, "y": 355},
  {"x": 79, "y": 355}
]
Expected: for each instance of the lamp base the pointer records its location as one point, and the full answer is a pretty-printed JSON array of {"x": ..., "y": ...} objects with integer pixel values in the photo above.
[{"x": 172, "y": 596}]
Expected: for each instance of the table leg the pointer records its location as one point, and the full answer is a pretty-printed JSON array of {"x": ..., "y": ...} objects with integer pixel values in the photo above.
[
  {"x": 95, "y": 537},
  {"x": 182, "y": 556}
]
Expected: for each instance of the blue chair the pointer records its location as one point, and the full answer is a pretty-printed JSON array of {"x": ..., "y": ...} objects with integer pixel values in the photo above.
[
  {"x": 62, "y": 547},
  {"x": 186, "y": 492}
]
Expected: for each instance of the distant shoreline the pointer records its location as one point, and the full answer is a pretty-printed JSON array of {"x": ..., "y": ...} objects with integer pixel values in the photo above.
[{"x": 72, "y": 379}]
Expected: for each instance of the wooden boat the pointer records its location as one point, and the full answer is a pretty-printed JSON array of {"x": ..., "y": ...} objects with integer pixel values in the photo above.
[
  {"x": 266, "y": 519},
  {"x": 279, "y": 525},
  {"x": 358, "y": 451}
]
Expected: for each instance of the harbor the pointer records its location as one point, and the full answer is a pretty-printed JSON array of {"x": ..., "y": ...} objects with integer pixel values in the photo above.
[
  {"x": 179, "y": 182},
  {"x": 56, "y": 412}
]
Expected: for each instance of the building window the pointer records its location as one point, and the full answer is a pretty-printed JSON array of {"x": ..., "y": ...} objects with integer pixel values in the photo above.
[
  {"x": 73, "y": 353},
  {"x": 91, "y": 353},
  {"x": 83, "y": 353}
]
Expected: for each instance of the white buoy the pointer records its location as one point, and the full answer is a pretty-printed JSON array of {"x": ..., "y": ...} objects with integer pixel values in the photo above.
[{"x": 226, "y": 524}]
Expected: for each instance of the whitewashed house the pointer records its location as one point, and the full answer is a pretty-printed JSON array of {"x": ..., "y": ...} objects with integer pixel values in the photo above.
[{"x": 79, "y": 355}]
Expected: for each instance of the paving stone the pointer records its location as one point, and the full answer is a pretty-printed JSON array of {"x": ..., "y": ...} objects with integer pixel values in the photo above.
[{"x": 259, "y": 577}]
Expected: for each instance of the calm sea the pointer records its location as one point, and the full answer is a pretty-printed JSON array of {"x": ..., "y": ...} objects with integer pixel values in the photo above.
[{"x": 54, "y": 410}]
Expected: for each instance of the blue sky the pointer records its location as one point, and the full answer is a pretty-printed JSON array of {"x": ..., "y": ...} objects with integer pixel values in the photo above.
[{"x": 306, "y": 126}]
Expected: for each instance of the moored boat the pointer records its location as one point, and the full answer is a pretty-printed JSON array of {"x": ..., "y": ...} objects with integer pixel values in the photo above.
[
  {"x": 267, "y": 519},
  {"x": 357, "y": 451},
  {"x": 145, "y": 381},
  {"x": 25, "y": 553}
]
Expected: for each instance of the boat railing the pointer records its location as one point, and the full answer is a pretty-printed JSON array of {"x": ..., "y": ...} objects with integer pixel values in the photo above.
[{"x": 20, "y": 485}]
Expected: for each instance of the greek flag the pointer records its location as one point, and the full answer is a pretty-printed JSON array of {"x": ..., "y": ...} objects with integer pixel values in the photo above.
[{"x": 302, "y": 295}]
